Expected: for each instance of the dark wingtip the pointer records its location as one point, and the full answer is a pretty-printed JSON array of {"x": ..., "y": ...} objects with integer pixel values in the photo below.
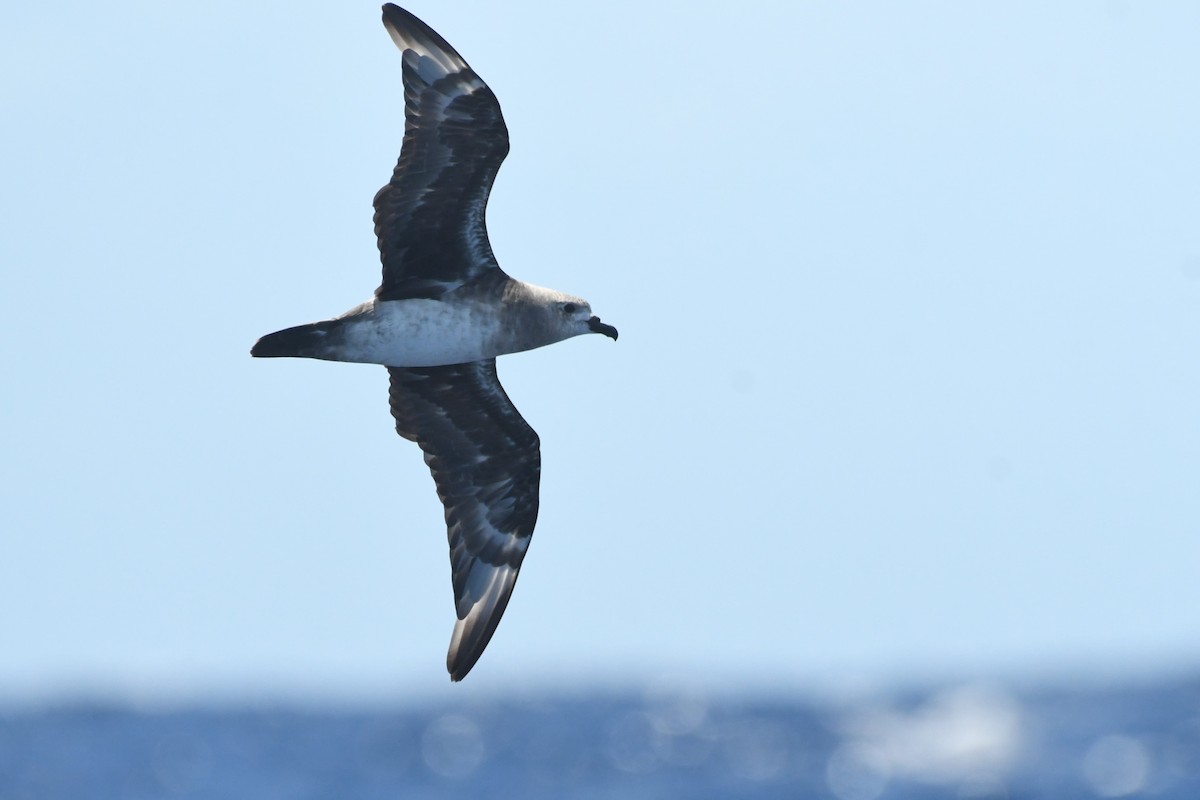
[
  {"x": 459, "y": 668},
  {"x": 473, "y": 632},
  {"x": 463, "y": 667},
  {"x": 396, "y": 18},
  {"x": 460, "y": 662}
]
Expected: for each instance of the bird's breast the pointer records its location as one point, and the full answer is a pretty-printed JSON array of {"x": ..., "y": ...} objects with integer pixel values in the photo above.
[{"x": 419, "y": 333}]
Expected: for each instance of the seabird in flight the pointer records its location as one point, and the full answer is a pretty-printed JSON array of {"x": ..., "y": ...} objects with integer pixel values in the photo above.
[{"x": 443, "y": 313}]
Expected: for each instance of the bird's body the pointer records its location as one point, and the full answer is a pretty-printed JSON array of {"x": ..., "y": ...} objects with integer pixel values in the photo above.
[
  {"x": 421, "y": 332},
  {"x": 443, "y": 313}
]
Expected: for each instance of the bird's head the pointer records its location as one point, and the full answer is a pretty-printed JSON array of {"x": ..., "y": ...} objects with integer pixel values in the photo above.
[{"x": 578, "y": 317}]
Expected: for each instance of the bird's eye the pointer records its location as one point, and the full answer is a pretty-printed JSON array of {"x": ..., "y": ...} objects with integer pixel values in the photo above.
[{"x": 570, "y": 308}]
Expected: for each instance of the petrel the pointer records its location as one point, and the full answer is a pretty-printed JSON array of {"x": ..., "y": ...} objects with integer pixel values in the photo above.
[{"x": 443, "y": 313}]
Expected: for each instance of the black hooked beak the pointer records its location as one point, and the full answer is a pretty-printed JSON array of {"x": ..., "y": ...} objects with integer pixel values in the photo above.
[{"x": 596, "y": 326}]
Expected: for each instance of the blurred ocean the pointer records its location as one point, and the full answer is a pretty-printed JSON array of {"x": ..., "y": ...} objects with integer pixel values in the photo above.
[{"x": 955, "y": 741}]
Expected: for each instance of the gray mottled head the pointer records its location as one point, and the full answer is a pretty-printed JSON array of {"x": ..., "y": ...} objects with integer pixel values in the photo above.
[
  {"x": 578, "y": 317},
  {"x": 556, "y": 316}
]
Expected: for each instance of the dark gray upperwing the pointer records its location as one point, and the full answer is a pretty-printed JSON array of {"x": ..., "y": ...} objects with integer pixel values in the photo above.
[
  {"x": 487, "y": 463},
  {"x": 429, "y": 219}
]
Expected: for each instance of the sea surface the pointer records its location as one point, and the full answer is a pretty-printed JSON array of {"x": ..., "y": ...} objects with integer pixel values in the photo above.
[{"x": 968, "y": 740}]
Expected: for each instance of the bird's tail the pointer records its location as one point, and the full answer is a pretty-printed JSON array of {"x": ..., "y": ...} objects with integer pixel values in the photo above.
[{"x": 303, "y": 341}]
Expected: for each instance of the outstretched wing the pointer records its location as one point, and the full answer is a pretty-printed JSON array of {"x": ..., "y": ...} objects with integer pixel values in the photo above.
[
  {"x": 429, "y": 218},
  {"x": 486, "y": 462}
]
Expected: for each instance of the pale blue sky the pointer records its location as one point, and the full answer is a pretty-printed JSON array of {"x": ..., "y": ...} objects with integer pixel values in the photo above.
[{"x": 907, "y": 384}]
